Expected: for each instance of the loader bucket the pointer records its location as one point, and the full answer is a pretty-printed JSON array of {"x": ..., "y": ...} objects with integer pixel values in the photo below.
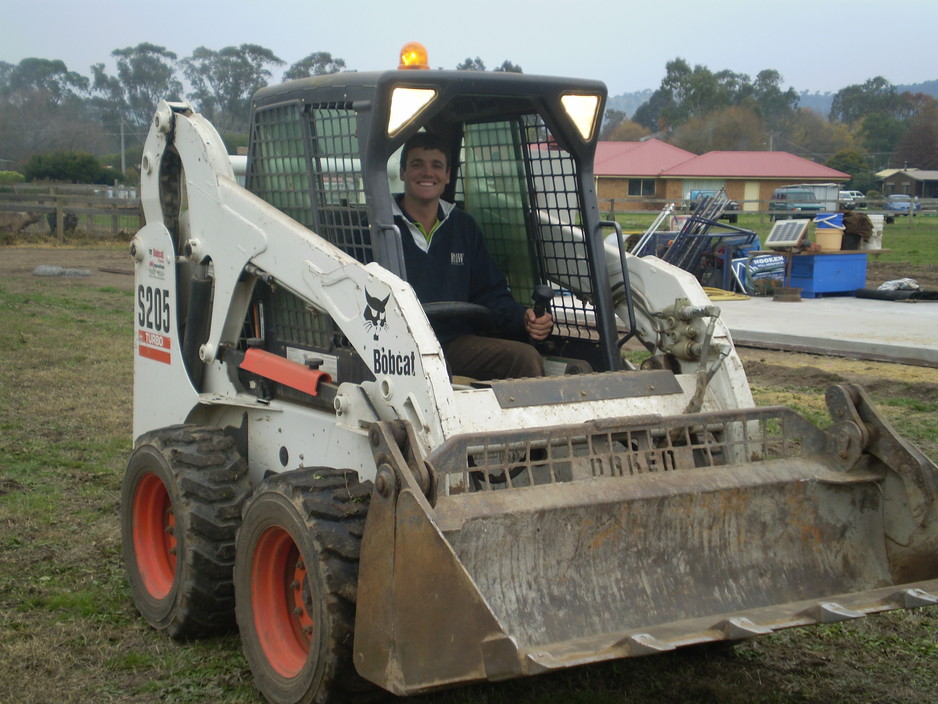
[{"x": 515, "y": 552}]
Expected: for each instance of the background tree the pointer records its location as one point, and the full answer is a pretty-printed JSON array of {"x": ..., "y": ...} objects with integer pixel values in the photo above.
[
  {"x": 809, "y": 135},
  {"x": 852, "y": 161},
  {"x": 316, "y": 64},
  {"x": 223, "y": 82},
  {"x": 732, "y": 88},
  {"x": 612, "y": 118},
  {"x": 146, "y": 74},
  {"x": 50, "y": 77},
  {"x": 918, "y": 147},
  {"x": 689, "y": 93},
  {"x": 734, "y": 128},
  {"x": 43, "y": 107},
  {"x": 698, "y": 91},
  {"x": 773, "y": 104},
  {"x": 913, "y": 105},
  {"x": 627, "y": 131},
  {"x": 853, "y": 103},
  {"x": 653, "y": 114},
  {"x": 508, "y": 67},
  {"x": 880, "y": 136},
  {"x": 475, "y": 64}
]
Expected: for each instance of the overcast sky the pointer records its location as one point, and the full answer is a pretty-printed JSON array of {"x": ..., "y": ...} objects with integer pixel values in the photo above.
[{"x": 816, "y": 45}]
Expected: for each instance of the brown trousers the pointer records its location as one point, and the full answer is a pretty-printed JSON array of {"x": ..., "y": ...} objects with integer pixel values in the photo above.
[{"x": 486, "y": 358}]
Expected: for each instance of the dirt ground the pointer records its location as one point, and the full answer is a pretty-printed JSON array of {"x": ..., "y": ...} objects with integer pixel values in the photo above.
[
  {"x": 880, "y": 272},
  {"x": 99, "y": 267}
]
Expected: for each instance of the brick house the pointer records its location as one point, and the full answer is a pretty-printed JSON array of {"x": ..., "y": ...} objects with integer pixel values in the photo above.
[
  {"x": 647, "y": 175},
  {"x": 914, "y": 182}
]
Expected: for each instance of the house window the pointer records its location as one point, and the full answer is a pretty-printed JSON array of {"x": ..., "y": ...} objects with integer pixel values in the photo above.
[{"x": 641, "y": 186}]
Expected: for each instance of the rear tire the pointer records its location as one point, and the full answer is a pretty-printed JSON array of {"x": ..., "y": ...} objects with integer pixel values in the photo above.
[
  {"x": 181, "y": 502},
  {"x": 296, "y": 581}
]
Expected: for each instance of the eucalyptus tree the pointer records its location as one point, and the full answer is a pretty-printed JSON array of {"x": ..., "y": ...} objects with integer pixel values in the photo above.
[
  {"x": 146, "y": 74},
  {"x": 507, "y": 66},
  {"x": 470, "y": 64},
  {"x": 223, "y": 82},
  {"x": 853, "y": 103},
  {"x": 43, "y": 107},
  {"x": 319, "y": 63}
]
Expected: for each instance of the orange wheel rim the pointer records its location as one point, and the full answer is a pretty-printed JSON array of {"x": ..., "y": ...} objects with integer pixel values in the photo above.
[
  {"x": 281, "y": 619},
  {"x": 154, "y": 536}
]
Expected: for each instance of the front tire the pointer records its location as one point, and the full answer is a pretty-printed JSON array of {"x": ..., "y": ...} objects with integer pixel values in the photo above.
[
  {"x": 181, "y": 500},
  {"x": 296, "y": 579}
]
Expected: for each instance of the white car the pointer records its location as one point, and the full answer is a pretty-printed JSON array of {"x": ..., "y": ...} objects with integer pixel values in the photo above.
[{"x": 854, "y": 197}]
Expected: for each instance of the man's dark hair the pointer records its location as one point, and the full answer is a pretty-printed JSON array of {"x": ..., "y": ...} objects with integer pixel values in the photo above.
[{"x": 425, "y": 140}]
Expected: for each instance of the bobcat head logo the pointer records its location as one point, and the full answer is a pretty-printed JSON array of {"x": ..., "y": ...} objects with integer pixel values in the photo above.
[{"x": 375, "y": 317}]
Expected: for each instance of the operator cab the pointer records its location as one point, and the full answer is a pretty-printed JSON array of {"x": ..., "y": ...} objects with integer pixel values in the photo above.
[{"x": 325, "y": 151}]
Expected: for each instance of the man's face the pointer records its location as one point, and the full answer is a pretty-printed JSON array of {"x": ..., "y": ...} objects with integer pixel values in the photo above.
[{"x": 425, "y": 174}]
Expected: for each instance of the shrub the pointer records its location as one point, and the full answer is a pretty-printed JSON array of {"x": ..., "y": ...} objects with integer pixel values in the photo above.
[
  {"x": 70, "y": 167},
  {"x": 8, "y": 178}
]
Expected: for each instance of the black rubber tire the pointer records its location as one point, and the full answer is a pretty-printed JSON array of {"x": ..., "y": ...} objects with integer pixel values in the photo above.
[
  {"x": 181, "y": 501},
  {"x": 296, "y": 582}
]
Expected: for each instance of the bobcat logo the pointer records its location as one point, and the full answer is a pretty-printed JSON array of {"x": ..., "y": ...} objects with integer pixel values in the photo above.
[{"x": 375, "y": 317}]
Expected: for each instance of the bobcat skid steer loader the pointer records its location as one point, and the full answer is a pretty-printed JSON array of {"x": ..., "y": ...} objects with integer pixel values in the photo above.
[{"x": 305, "y": 467}]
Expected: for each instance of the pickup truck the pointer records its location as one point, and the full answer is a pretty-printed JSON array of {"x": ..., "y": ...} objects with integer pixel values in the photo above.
[{"x": 793, "y": 203}]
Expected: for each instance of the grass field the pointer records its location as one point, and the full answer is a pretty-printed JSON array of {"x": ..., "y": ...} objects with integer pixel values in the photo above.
[{"x": 69, "y": 632}]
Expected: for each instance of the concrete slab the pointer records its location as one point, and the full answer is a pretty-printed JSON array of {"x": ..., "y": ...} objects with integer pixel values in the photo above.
[{"x": 905, "y": 332}]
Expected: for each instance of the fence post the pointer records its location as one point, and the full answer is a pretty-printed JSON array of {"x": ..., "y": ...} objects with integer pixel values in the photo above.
[{"x": 60, "y": 219}]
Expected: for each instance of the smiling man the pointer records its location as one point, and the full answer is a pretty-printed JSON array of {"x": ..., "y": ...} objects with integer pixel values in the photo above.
[{"x": 447, "y": 261}]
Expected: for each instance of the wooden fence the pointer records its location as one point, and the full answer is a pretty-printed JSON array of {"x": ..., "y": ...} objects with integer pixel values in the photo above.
[
  {"x": 105, "y": 211},
  {"x": 100, "y": 211}
]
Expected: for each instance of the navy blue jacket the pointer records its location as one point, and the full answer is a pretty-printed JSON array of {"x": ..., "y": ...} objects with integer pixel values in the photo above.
[{"x": 457, "y": 266}]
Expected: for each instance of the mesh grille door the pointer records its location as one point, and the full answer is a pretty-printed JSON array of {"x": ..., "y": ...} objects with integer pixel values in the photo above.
[{"x": 522, "y": 189}]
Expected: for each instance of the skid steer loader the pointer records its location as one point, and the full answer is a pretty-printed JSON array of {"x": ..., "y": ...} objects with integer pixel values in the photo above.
[{"x": 306, "y": 468}]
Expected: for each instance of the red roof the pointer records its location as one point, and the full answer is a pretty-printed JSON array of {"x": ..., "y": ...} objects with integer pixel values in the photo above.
[
  {"x": 658, "y": 159},
  {"x": 648, "y": 158},
  {"x": 754, "y": 165}
]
